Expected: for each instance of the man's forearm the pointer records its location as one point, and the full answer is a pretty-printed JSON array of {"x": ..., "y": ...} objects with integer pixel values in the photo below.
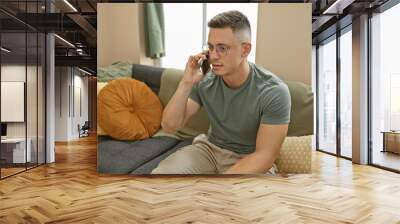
[
  {"x": 254, "y": 163},
  {"x": 174, "y": 112}
]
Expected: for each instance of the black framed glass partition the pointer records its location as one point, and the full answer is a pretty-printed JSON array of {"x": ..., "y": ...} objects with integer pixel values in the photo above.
[
  {"x": 326, "y": 106},
  {"x": 377, "y": 81},
  {"x": 345, "y": 65},
  {"x": 334, "y": 94},
  {"x": 22, "y": 77}
]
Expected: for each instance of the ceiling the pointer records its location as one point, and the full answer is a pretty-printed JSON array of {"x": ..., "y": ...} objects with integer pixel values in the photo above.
[
  {"x": 332, "y": 15},
  {"x": 75, "y": 23}
]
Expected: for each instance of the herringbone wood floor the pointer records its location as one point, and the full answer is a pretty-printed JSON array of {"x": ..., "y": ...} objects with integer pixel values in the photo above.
[{"x": 70, "y": 191}]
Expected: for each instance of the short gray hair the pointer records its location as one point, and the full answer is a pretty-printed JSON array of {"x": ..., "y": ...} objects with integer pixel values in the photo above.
[{"x": 234, "y": 19}]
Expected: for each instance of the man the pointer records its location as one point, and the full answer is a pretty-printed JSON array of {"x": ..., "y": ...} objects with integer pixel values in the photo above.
[{"x": 248, "y": 107}]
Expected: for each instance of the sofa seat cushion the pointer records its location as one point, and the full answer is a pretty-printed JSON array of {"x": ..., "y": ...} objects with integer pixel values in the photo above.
[
  {"x": 141, "y": 157},
  {"x": 295, "y": 155},
  {"x": 148, "y": 167},
  {"x": 129, "y": 110},
  {"x": 122, "y": 157}
]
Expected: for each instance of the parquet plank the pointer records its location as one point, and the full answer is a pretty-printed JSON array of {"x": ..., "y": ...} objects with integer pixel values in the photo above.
[{"x": 70, "y": 191}]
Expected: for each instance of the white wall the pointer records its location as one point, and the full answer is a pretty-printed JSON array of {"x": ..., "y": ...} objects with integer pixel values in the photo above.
[
  {"x": 120, "y": 34},
  {"x": 284, "y": 38},
  {"x": 61, "y": 103},
  {"x": 79, "y": 117},
  {"x": 33, "y": 127},
  {"x": 67, "y": 115},
  {"x": 117, "y": 26},
  {"x": 12, "y": 73}
]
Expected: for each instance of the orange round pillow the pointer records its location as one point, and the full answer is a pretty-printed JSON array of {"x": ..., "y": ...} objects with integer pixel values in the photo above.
[{"x": 129, "y": 110}]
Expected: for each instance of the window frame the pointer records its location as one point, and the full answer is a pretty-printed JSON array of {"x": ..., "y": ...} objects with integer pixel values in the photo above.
[
  {"x": 334, "y": 37},
  {"x": 379, "y": 10}
]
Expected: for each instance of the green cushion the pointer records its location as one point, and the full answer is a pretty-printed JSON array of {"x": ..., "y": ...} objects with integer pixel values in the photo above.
[
  {"x": 301, "y": 121},
  {"x": 114, "y": 71},
  {"x": 199, "y": 123},
  {"x": 302, "y": 112}
]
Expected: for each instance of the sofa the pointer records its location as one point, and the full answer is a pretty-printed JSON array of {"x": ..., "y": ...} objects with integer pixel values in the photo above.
[{"x": 142, "y": 156}]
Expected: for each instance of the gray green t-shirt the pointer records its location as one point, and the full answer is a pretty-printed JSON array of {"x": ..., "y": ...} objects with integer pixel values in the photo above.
[{"x": 235, "y": 114}]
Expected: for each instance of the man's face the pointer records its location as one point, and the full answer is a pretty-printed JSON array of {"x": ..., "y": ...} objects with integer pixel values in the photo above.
[{"x": 225, "y": 51}]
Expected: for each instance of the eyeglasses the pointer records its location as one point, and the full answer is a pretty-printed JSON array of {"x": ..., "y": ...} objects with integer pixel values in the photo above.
[{"x": 220, "y": 49}]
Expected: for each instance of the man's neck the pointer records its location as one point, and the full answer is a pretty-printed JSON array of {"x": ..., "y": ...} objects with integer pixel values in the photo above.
[{"x": 239, "y": 77}]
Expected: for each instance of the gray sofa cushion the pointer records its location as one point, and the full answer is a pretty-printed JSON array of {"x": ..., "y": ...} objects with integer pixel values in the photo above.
[
  {"x": 148, "y": 167},
  {"x": 150, "y": 75},
  {"x": 122, "y": 157}
]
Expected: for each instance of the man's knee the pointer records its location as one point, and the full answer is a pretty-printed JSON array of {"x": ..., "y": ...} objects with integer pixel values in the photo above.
[
  {"x": 185, "y": 161},
  {"x": 176, "y": 163}
]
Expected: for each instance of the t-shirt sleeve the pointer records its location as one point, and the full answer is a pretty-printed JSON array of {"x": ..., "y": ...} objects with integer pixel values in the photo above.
[
  {"x": 276, "y": 105},
  {"x": 194, "y": 94}
]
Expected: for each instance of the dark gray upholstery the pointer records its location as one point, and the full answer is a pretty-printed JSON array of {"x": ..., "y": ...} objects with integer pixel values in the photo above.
[
  {"x": 122, "y": 157},
  {"x": 149, "y": 166},
  {"x": 150, "y": 75},
  {"x": 137, "y": 157}
]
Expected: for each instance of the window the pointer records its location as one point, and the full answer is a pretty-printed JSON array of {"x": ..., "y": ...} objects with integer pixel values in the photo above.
[
  {"x": 334, "y": 63},
  {"x": 394, "y": 101},
  {"x": 184, "y": 37},
  {"x": 385, "y": 85},
  {"x": 327, "y": 96},
  {"x": 22, "y": 66},
  {"x": 346, "y": 93}
]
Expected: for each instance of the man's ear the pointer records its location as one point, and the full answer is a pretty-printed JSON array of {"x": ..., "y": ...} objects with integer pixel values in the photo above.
[{"x": 246, "y": 49}]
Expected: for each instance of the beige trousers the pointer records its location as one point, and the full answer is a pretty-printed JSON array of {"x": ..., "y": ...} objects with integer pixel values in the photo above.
[{"x": 202, "y": 157}]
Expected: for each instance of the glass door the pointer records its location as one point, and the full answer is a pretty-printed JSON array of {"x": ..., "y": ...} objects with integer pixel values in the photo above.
[
  {"x": 385, "y": 89},
  {"x": 346, "y": 93},
  {"x": 326, "y": 108},
  {"x": 22, "y": 77},
  {"x": 13, "y": 103}
]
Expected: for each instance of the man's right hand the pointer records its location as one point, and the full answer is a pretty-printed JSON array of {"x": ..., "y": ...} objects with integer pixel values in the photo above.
[
  {"x": 193, "y": 74},
  {"x": 180, "y": 107}
]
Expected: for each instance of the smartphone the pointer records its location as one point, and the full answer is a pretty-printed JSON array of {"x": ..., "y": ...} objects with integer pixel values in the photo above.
[{"x": 205, "y": 65}]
